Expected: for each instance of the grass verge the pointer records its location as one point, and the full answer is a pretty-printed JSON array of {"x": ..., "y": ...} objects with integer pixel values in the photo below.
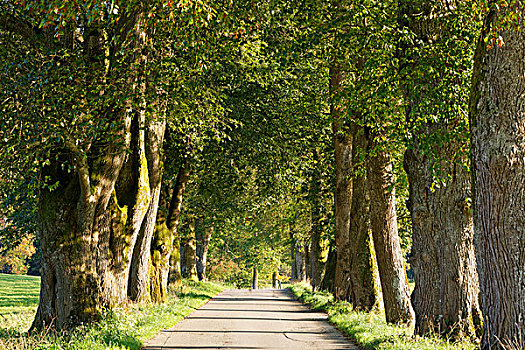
[
  {"x": 369, "y": 330},
  {"x": 120, "y": 329},
  {"x": 18, "y": 301}
]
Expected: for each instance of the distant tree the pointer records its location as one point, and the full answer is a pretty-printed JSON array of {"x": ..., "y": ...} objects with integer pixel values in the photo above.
[{"x": 15, "y": 260}]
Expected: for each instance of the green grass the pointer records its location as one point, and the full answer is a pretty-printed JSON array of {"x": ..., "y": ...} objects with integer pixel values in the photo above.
[
  {"x": 18, "y": 301},
  {"x": 369, "y": 330},
  {"x": 121, "y": 328}
]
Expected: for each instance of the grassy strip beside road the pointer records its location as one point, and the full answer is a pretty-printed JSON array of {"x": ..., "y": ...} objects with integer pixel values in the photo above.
[
  {"x": 369, "y": 330},
  {"x": 126, "y": 327}
]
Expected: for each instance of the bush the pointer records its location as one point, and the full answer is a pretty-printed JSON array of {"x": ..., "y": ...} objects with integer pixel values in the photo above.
[
  {"x": 230, "y": 273},
  {"x": 15, "y": 260}
]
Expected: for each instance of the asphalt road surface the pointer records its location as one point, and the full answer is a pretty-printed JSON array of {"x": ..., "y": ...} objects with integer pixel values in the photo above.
[{"x": 259, "y": 319}]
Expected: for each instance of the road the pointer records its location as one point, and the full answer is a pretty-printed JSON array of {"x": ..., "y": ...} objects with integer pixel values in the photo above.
[{"x": 259, "y": 319}]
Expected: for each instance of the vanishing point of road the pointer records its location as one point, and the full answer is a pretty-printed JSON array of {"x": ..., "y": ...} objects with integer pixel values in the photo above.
[{"x": 258, "y": 319}]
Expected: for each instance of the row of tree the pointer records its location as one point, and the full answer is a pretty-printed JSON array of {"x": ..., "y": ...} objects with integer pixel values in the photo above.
[{"x": 311, "y": 121}]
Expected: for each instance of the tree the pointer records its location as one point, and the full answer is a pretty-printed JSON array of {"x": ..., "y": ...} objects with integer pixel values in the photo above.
[
  {"x": 362, "y": 96},
  {"x": 434, "y": 62},
  {"x": 14, "y": 259},
  {"x": 165, "y": 248},
  {"x": 92, "y": 103},
  {"x": 383, "y": 222},
  {"x": 188, "y": 249},
  {"x": 203, "y": 237},
  {"x": 496, "y": 121}
]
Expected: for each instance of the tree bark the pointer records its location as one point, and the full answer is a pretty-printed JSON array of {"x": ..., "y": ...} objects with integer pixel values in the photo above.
[
  {"x": 175, "y": 272},
  {"x": 165, "y": 248},
  {"x": 383, "y": 221},
  {"x": 294, "y": 274},
  {"x": 328, "y": 283},
  {"x": 139, "y": 283},
  {"x": 316, "y": 264},
  {"x": 90, "y": 222},
  {"x": 300, "y": 261},
  {"x": 497, "y": 120},
  {"x": 203, "y": 242},
  {"x": 255, "y": 278},
  {"x": 89, "y": 226},
  {"x": 307, "y": 266},
  {"x": 445, "y": 298},
  {"x": 355, "y": 279},
  {"x": 188, "y": 254}
]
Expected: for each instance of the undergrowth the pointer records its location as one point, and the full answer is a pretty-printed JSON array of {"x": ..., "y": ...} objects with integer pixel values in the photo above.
[
  {"x": 120, "y": 329},
  {"x": 370, "y": 330}
]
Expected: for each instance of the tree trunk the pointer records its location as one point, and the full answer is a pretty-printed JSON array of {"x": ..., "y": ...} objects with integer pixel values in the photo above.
[
  {"x": 89, "y": 226},
  {"x": 139, "y": 283},
  {"x": 300, "y": 261},
  {"x": 90, "y": 222},
  {"x": 160, "y": 258},
  {"x": 316, "y": 264},
  {"x": 275, "y": 280},
  {"x": 355, "y": 279},
  {"x": 307, "y": 266},
  {"x": 255, "y": 278},
  {"x": 294, "y": 274},
  {"x": 328, "y": 283},
  {"x": 383, "y": 221},
  {"x": 203, "y": 242},
  {"x": 445, "y": 298},
  {"x": 165, "y": 248},
  {"x": 497, "y": 115},
  {"x": 175, "y": 258},
  {"x": 181, "y": 182},
  {"x": 188, "y": 253}
]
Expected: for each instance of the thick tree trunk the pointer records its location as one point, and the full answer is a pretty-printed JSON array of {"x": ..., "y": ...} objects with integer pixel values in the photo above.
[
  {"x": 203, "y": 243},
  {"x": 175, "y": 267},
  {"x": 90, "y": 222},
  {"x": 354, "y": 277},
  {"x": 343, "y": 202},
  {"x": 165, "y": 246},
  {"x": 328, "y": 283},
  {"x": 139, "y": 283},
  {"x": 175, "y": 270},
  {"x": 445, "y": 298},
  {"x": 497, "y": 115},
  {"x": 188, "y": 252},
  {"x": 160, "y": 258},
  {"x": 355, "y": 280},
  {"x": 89, "y": 226},
  {"x": 383, "y": 221}
]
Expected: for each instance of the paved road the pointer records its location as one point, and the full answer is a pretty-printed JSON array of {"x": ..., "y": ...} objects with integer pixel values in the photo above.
[{"x": 243, "y": 319}]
